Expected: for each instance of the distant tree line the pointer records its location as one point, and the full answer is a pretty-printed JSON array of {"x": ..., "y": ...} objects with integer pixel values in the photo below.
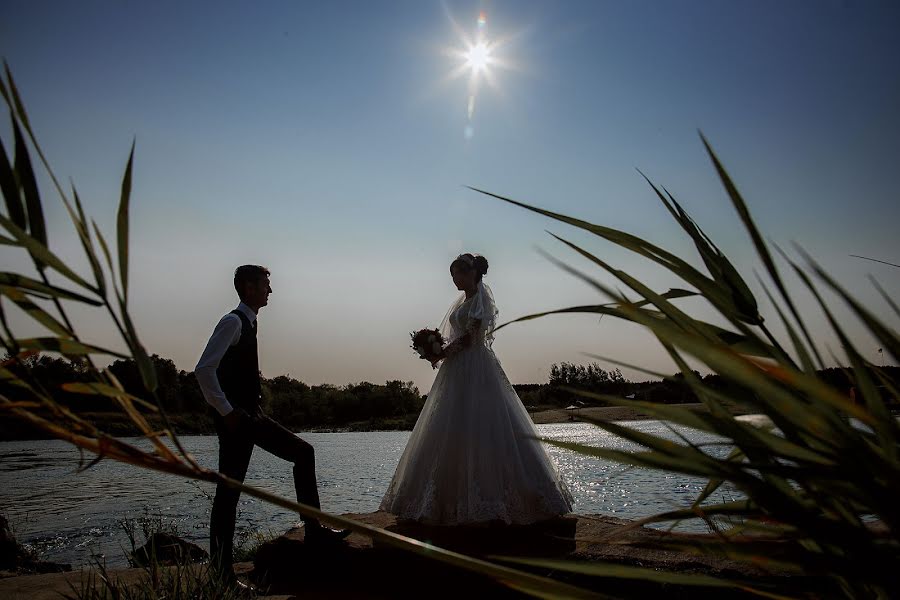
[
  {"x": 392, "y": 405},
  {"x": 566, "y": 379}
]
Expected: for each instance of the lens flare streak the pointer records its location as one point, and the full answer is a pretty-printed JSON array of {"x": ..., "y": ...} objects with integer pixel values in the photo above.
[{"x": 477, "y": 59}]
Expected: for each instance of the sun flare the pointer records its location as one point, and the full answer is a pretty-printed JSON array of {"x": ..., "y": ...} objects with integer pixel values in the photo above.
[{"x": 478, "y": 57}]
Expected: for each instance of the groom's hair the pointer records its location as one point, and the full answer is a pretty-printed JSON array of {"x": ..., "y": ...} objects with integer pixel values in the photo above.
[{"x": 248, "y": 274}]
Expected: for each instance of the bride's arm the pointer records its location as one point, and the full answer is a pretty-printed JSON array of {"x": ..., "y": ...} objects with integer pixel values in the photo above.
[{"x": 462, "y": 342}]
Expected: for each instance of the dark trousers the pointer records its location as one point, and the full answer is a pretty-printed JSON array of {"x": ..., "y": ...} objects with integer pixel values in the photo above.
[{"x": 235, "y": 449}]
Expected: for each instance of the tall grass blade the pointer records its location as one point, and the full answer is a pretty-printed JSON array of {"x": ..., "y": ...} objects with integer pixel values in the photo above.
[
  {"x": 35, "y": 287},
  {"x": 145, "y": 365},
  {"x": 890, "y": 301},
  {"x": 13, "y": 95},
  {"x": 619, "y": 363},
  {"x": 84, "y": 234},
  {"x": 35, "y": 311},
  {"x": 706, "y": 286},
  {"x": 805, "y": 359},
  {"x": 762, "y": 251},
  {"x": 720, "y": 268},
  {"x": 42, "y": 254},
  {"x": 597, "y": 308},
  {"x": 122, "y": 224},
  {"x": 10, "y": 188},
  {"x": 66, "y": 347},
  {"x": 886, "y": 336},
  {"x": 18, "y": 109},
  {"x": 744, "y": 343},
  {"x": 25, "y": 174},
  {"x": 106, "y": 254},
  {"x": 109, "y": 391}
]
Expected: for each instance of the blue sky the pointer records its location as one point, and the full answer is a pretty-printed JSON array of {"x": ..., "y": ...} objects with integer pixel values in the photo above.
[{"x": 327, "y": 141}]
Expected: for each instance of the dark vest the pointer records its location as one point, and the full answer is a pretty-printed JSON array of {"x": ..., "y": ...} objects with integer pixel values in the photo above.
[{"x": 238, "y": 370}]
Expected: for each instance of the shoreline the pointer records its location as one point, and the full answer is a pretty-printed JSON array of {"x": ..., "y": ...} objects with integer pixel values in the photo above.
[{"x": 117, "y": 424}]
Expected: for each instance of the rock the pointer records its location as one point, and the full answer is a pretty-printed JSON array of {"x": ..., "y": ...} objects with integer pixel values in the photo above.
[
  {"x": 16, "y": 560},
  {"x": 9, "y": 548},
  {"x": 168, "y": 549}
]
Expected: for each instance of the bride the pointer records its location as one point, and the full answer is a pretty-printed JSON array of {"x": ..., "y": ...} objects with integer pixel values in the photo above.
[{"x": 472, "y": 456}]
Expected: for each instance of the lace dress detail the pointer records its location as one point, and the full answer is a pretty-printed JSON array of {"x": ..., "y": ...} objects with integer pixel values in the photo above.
[{"x": 473, "y": 456}]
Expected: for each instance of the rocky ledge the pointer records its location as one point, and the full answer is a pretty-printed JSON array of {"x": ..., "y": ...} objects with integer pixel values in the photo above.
[{"x": 365, "y": 569}]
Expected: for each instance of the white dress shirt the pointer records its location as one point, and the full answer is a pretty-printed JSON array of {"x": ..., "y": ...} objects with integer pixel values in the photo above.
[{"x": 226, "y": 334}]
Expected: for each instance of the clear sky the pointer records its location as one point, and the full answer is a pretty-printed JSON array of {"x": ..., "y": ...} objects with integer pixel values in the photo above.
[{"x": 331, "y": 142}]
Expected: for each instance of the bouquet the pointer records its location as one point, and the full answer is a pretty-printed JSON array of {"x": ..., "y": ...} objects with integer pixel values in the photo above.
[{"x": 427, "y": 343}]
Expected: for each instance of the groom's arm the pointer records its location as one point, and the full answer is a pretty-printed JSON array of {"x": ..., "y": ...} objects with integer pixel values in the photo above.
[{"x": 226, "y": 334}]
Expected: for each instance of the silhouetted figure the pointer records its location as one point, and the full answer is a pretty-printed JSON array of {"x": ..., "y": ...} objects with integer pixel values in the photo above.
[
  {"x": 228, "y": 373},
  {"x": 474, "y": 454}
]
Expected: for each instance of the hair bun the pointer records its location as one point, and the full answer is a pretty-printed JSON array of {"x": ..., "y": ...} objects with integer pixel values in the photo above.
[{"x": 481, "y": 264}]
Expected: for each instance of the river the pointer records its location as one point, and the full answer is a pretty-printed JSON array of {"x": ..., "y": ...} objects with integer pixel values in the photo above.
[{"x": 72, "y": 516}]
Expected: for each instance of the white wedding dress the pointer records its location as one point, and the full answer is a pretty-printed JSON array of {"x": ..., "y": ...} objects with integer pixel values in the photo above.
[{"x": 473, "y": 456}]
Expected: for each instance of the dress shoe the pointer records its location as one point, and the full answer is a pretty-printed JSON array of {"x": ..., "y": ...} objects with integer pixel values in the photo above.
[{"x": 326, "y": 535}]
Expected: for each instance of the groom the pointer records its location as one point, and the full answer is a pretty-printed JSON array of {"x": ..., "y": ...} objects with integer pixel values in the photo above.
[{"x": 228, "y": 373}]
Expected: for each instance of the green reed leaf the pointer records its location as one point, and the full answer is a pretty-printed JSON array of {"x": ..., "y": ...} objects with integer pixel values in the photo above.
[
  {"x": 745, "y": 508},
  {"x": 145, "y": 365},
  {"x": 122, "y": 224},
  {"x": 762, "y": 251},
  {"x": 706, "y": 286},
  {"x": 596, "y": 308},
  {"x": 627, "y": 365},
  {"x": 712, "y": 485},
  {"x": 25, "y": 175},
  {"x": 885, "y": 335},
  {"x": 10, "y": 188},
  {"x": 12, "y": 97},
  {"x": 799, "y": 348},
  {"x": 66, "y": 347},
  {"x": 33, "y": 286},
  {"x": 741, "y": 299},
  {"x": 4, "y": 92},
  {"x": 882, "y": 421},
  {"x": 746, "y": 344},
  {"x": 84, "y": 234},
  {"x": 109, "y": 391},
  {"x": 890, "y": 301},
  {"x": 17, "y": 108},
  {"x": 752, "y": 375},
  {"x": 42, "y": 254},
  {"x": 35, "y": 311},
  {"x": 742, "y": 434}
]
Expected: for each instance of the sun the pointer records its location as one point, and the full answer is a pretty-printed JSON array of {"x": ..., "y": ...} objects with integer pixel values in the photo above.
[{"x": 478, "y": 57}]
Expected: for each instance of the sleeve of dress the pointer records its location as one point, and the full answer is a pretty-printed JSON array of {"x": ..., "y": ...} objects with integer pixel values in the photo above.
[{"x": 484, "y": 310}]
